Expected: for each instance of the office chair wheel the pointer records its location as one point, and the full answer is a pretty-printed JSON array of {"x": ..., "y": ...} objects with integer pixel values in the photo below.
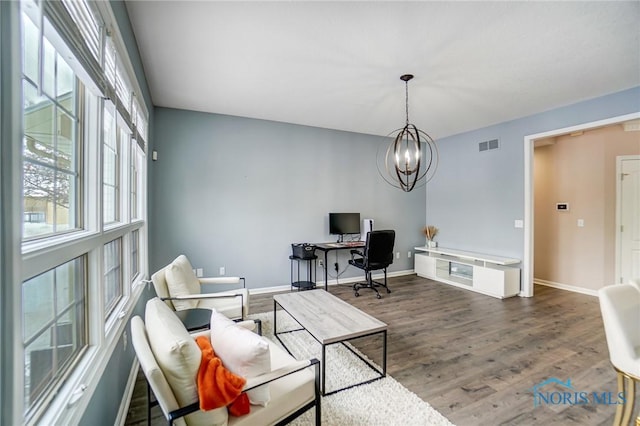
[
  {"x": 378, "y": 296},
  {"x": 357, "y": 294},
  {"x": 388, "y": 291}
]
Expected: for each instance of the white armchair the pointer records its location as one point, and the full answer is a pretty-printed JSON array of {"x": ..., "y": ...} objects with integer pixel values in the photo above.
[
  {"x": 170, "y": 359},
  {"x": 180, "y": 289},
  {"x": 620, "y": 308}
]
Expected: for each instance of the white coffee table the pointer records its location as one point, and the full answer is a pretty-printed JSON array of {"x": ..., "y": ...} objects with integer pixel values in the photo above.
[{"x": 330, "y": 320}]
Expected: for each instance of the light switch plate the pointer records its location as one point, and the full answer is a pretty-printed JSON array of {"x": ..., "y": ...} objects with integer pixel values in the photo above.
[{"x": 519, "y": 223}]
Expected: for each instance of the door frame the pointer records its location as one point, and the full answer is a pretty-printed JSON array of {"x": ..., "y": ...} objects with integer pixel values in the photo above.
[
  {"x": 619, "y": 160},
  {"x": 527, "y": 263}
]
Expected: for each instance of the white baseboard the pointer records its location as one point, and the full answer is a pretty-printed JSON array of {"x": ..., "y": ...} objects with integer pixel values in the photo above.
[
  {"x": 128, "y": 393},
  {"x": 573, "y": 288},
  {"x": 350, "y": 280}
]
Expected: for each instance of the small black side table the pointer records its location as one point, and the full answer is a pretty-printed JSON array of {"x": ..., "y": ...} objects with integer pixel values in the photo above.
[
  {"x": 195, "y": 319},
  {"x": 309, "y": 283}
]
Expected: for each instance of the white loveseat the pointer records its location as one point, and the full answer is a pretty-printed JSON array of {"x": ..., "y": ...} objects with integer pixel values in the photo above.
[{"x": 170, "y": 359}]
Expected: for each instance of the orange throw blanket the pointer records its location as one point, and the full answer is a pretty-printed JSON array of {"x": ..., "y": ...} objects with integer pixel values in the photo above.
[{"x": 217, "y": 386}]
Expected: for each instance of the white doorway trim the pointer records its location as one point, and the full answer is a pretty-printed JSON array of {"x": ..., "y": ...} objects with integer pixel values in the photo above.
[
  {"x": 527, "y": 265},
  {"x": 619, "y": 160}
]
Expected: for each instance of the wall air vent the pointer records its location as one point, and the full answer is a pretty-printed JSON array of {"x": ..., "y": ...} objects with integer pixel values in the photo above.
[{"x": 488, "y": 145}]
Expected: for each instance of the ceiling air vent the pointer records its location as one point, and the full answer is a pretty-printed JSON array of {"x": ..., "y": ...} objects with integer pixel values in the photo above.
[{"x": 488, "y": 145}]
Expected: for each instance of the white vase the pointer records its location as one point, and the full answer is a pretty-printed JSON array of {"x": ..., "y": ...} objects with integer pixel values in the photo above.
[{"x": 432, "y": 244}]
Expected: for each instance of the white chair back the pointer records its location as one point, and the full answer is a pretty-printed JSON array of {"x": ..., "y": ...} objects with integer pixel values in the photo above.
[
  {"x": 620, "y": 307},
  {"x": 155, "y": 377},
  {"x": 160, "y": 284}
]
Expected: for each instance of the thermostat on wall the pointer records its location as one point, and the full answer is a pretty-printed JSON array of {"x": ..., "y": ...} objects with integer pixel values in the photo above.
[{"x": 562, "y": 207}]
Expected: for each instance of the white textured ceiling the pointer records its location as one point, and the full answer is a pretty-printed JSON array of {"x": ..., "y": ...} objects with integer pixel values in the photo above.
[{"x": 337, "y": 64}]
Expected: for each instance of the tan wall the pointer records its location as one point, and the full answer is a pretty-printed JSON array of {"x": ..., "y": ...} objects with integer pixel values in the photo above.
[{"x": 580, "y": 171}]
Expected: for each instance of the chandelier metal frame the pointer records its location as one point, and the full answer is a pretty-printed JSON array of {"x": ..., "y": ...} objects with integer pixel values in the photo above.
[{"x": 411, "y": 159}]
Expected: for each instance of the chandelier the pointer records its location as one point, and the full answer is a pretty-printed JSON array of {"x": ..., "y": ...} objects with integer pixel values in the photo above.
[{"x": 411, "y": 159}]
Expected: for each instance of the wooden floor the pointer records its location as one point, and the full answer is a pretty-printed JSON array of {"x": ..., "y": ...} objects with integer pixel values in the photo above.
[{"x": 475, "y": 358}]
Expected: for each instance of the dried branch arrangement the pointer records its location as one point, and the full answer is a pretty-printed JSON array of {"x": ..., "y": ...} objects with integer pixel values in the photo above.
[{"x": 430, "y": 231}]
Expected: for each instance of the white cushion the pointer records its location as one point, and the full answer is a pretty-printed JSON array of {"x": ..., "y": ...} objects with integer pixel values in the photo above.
[
  {"x": 229, "y": 306},
  {"x": 287, "y": 394},
  {"x": 181, "y": 281},
  {"x": 178, "y": 356},
  {"x": 243, "y": 352}
]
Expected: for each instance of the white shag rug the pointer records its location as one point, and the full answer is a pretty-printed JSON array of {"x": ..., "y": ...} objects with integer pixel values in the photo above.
[{"x": 382, "y": 402}]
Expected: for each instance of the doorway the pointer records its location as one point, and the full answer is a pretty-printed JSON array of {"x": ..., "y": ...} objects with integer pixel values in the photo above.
[
  {"x": 627, "y": 218},
  {"x": 527, "y": 270}
]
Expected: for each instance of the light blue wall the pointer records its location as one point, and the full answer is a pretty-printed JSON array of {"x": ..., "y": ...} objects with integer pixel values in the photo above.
[
  {"x": 476, "y": 196},
  {"x": 236, "y": 192}
]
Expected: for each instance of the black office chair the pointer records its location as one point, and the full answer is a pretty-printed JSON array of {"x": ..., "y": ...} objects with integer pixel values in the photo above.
[{"x": 378, "y": 254}]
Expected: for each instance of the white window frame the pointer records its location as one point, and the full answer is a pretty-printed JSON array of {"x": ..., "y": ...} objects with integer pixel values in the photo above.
[{"x": 70, "y": 400}]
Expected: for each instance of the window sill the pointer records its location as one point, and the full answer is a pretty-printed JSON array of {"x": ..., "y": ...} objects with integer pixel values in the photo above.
[{"x": 38, "y": 246}]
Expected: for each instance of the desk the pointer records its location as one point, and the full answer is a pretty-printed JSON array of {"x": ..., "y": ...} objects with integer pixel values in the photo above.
[{"x": 327, "y": 247}]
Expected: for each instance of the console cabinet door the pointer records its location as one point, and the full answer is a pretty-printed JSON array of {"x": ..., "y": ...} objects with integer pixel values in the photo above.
[
  {"x": 497, "y": 280},
  {"x": 488, "y": 280},
  {"x": 425, "y": 265}
]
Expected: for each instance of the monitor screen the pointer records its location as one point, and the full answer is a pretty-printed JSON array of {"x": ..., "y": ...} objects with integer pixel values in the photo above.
[{"x": 344, "y": 223}]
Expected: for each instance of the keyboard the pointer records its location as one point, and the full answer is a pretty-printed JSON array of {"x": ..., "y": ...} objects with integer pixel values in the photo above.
[
  {"x": 353, "y": 244},
  {"x": 347, "y": 244}
]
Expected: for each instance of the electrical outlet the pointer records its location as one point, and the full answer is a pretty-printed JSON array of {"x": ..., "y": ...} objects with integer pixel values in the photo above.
[
  {"x": 397, "y": 255},
  {"x": 222, "y": 270},
  {"x": 321, "y": 263},
  {"x": 199, "y": 273},
  {"x": 409, "y": 254},
  {"x": 336, "y": 266}
]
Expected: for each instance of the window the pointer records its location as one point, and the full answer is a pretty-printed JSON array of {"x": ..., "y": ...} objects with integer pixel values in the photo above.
[
  {"x": 135, "y": 254},
  {"x": 112, "y": 280},
  {"x": 81, "y": 164},
  {"x": 51, "y": 183},
  {"x": 137, "y": 157},
  {"x": 54, "y": 332},
  {"x": 111, "y": 167}
]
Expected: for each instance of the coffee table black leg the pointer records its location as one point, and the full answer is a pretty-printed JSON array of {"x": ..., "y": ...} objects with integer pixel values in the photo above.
[
  {"x": 324, "y": 366},
  {"x": 275, "y": 324},
  {"x": 384, "y": 353}
]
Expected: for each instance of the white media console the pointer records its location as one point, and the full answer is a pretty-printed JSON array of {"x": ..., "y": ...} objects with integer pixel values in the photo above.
[{"x": 479, "y": 272}]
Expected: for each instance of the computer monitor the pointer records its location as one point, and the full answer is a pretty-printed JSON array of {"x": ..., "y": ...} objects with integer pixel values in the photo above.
[{"x": 344, "y": 223}]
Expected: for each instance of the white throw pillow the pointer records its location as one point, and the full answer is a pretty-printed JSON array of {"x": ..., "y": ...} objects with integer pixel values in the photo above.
[
  {"x": 243, "y": 352},
  {"x": 181, "y": 281},
  {"x": 178, "y": 356}
]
